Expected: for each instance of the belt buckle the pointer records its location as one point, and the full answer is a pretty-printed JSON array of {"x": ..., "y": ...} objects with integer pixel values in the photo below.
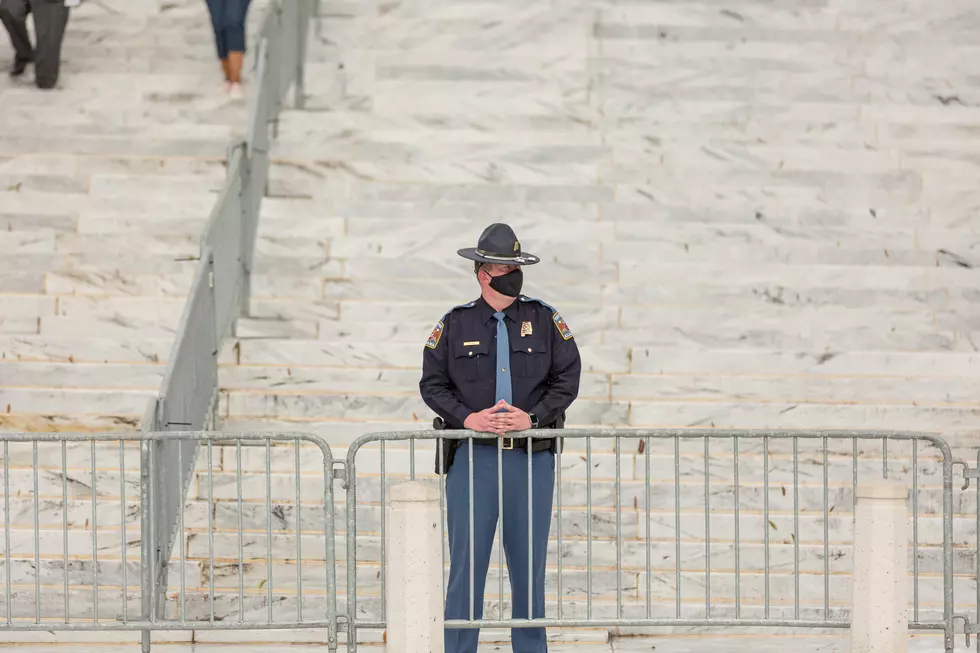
[{"x": 507, "y": 443}]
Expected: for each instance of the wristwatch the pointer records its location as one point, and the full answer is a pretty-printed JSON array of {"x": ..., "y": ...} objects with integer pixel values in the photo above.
[{"x": 534, "y": 420}]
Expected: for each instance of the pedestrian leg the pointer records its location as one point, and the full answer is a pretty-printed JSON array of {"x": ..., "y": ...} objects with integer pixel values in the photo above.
[
  {"x": 13, "y": 14},
  {"x": 50, "y": 20}
]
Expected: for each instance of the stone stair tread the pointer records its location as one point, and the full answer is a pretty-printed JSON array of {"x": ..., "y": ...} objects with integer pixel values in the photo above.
[
  {"x": 69, "y": 349},
  {"x": 173, "y": 245},
  {"x": 769, "y": 387},
  {"x": 70, "y": 422},
  {"x": 105, "y": 401},
  {"x": 650, "y": 414},
  {"x": 116, "y": 282},
  {"x": 622, "y": 358},
  {"x": 79, "y": 374}
]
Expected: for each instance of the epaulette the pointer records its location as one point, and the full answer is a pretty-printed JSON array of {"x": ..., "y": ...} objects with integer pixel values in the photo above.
[
  {"x": 456, "y": 308},
  {"x": 436, "y": 334},
  {"x": 560, "y": 323},
  {"x": 545, "y": 304}
]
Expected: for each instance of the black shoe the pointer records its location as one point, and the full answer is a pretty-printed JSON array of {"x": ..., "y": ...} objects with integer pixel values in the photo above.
[{"x": 20, "y": 65}]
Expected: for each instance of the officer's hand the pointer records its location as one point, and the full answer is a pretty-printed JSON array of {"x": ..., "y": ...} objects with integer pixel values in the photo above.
[
  {"x": 512, "y": 419},
  {"x": 485, "y": 421}
]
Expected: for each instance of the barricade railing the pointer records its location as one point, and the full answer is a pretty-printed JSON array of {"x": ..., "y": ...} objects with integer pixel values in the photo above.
[
  {"x": 254, "y": 548},
  {"x": 221, "y": 285},
  {"x": 683, "y": 528},
  {"x": 649, "y": 529}
]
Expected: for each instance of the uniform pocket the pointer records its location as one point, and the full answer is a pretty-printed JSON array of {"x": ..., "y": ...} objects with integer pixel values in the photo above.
[
  {"x": 530, "y": 357},
  {"x": 469, "y": 359}
]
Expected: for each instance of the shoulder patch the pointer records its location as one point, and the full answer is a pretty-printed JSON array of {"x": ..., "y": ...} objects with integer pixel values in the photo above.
[
  {"x": 563, "y": 329},
  {"x": 435, "y": 336}
]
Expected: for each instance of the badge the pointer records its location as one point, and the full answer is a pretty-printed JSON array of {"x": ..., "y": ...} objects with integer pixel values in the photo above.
[
  {"x": 433, "y": 340},
  {"x": 517, "y": 246},
  {"x": 563, "y": 329},
  {"x": 526, "y": 329}
]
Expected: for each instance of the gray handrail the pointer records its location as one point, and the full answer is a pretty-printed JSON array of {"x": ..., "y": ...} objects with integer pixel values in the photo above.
[{"x": 221, "y": 288}]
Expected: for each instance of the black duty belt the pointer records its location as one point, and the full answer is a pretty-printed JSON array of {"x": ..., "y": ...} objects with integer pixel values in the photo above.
[{"x": 539, "y": 444}]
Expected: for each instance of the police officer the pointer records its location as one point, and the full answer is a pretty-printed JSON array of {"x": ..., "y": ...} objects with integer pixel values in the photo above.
[{"x": 499, "y": 365}]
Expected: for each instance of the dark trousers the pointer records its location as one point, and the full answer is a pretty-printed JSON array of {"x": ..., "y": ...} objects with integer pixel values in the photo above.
[
  {"x": 228, "y": 21},
  {"x": 50, "y": 20},
  {"x": 517, "y": 531}
]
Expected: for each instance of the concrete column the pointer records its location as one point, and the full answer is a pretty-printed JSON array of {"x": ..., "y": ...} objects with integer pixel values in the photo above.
[
  {"x": 414, "y": 569},
  {"x": 879, "y": 622}
]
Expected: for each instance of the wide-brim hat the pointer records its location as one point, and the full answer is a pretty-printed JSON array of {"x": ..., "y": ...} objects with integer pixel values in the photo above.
[{"x": 498, "y": 244}]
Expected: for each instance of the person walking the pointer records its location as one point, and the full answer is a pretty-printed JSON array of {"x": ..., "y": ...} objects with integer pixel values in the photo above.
[
  {"x": 50, "y": 21},
  {"x": 498, "y": 365},
  {"x": 228, "y": 20}
]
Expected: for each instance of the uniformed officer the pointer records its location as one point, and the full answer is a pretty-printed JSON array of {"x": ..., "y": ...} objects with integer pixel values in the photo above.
[{"x": 501, "y": 364}]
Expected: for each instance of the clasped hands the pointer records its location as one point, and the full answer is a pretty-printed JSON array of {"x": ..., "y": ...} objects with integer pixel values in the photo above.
[{"x": 499, "y": 418}]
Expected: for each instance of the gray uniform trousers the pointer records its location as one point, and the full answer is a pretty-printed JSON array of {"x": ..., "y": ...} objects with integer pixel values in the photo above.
[{"x": 50, "y": 20}]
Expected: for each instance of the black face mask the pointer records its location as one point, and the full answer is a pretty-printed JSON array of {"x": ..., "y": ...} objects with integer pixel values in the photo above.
[{"x": 508, "y": 284}]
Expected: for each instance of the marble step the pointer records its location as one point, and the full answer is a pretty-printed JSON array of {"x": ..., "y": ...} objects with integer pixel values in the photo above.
[
  {"x": 846, "y": 459},
  {"x": 112, "y": 326},
  {"x": 81, "y": 375},
  {"x": 534, "y": 215},
  {"x": 113, "y": 281},
  {"x": 861, "y": 234},
  {"x": 98, "y": 307},
  {"x": 30, "y": 224},
  {"x": 622, "y": 358},
  {"x": 766, "y": 315},
  {"x": 569, "y": 270},
  {"x": 88, "y": 206},
  {"x": 383, "y": 354},
  {"x": 604, "y": 585},
  {"x": 784, "y": 491},
  {"x": 813, "y": 284},
  {"x": 70, "y": 349},
  {"x": 156, "y": 140},
  {"x": 750, "y": 199},
  {"x": 647, "y": 155},
  {"x": 792, "y": 122},
  {"x": 907, "y": 333},
  {"x": 338, "y": 434},
  {"x": 768, "y": 387},
  {"x": 69, "y": 422},
  {"x": 753, "y": 527},
  {"x": 175, "y": 246},
  {"x": 104, "y": 401},
  {"x": 930, "y": 296},
  {"x": 197, "y": 607},
  {"x": 577, "y": 550},
  {"x": 652, "y": 414},
  {"x": 106, "y": 168}
]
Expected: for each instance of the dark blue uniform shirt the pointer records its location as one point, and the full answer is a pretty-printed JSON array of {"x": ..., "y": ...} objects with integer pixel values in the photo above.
[{"x": 460, "y": 361}]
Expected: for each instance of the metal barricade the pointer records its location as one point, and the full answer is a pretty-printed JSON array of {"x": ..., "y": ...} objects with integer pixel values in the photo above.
[
  {"x": 222, "y": 281},
  {"x": 254, "y": 546},
  {"x": 679, "y": 528}
]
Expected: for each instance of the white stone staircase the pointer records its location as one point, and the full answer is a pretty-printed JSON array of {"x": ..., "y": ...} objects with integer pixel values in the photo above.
[
  {"x": 105, "y": 185},
  {"x": 752, "y": 215}
]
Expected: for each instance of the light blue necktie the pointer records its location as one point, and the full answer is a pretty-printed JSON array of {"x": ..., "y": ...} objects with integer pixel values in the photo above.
[{"x": 505, "y": 390}]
